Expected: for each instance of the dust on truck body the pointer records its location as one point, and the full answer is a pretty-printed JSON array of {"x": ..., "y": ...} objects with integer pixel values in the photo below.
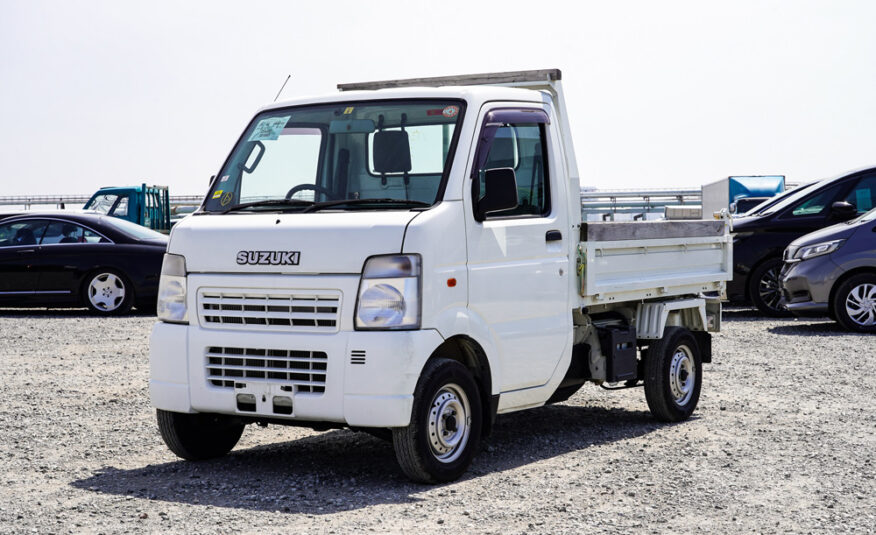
[{"x": 407, "y": 258}]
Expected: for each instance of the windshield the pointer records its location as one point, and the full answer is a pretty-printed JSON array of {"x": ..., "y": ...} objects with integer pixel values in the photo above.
[
  {"x": 133, "y": 229},
  {"x": 866, "y": 217},
  {"x": 795, "y": 195},
  {"x": 291, "y": 158}
]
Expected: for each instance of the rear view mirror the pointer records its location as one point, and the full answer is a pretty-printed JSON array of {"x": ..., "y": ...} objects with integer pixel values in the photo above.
[
  {"x": 352, "y": 126},
  {"x": 843, "y": 211},
  {"x": 500, "y": 192}
]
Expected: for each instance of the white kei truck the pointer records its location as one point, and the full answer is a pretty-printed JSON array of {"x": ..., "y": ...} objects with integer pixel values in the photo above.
[{"x": 407, "y": 258}]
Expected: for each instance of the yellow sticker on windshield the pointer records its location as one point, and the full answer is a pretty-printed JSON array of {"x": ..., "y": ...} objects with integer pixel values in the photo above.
[
  {"x": 217, "y": 194},
  {"x": 226, "y": 199},
  {"x": 348, "y": 110}
]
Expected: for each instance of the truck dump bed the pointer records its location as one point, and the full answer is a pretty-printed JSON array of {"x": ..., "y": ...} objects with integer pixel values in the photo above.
[{"x": 650, "y": 259}]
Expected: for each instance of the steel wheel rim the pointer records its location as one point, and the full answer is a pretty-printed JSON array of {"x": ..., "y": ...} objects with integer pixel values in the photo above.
[
  {"x": 449, "y": 423},
  {"x": 106, "y": 292},
  {"x": 769, "y": 289},
  {"x": 682, "y": 375},
  {"x": 861, "y": 304}
]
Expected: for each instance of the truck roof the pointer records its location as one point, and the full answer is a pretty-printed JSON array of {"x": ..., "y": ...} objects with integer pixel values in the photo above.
[{"x": 473, "y": 94}]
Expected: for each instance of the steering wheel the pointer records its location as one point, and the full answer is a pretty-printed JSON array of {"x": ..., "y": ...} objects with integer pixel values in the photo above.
[{"x": 314, "y": 187}]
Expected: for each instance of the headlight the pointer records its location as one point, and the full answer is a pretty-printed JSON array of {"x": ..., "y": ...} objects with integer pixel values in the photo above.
[
  {"x": 818, "y": 249},
  {"x": 172, "y": 290},
  {"x": 739, "y": 236},
  {"x": 389, "y": 293}
]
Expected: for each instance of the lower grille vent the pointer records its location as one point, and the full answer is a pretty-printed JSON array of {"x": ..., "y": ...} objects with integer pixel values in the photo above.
[
  {"x": 305, "y": 370},
  {"x": 357, "y": 356}
]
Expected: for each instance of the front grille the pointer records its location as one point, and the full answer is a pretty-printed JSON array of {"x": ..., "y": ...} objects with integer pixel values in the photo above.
[
  {"x": 286, "y": 311},
  {"x": 304, "y": 370}
]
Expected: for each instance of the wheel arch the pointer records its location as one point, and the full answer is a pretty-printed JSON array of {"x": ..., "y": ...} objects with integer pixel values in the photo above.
[
  {"x": 869, "y": 270},
  {"x": 766, "y": 258},
  {"x": 468, "y": 352}
]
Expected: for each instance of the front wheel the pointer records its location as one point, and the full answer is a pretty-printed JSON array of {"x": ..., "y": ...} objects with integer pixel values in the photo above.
[
  {"x": 196, "y": 437},
  {"x": 765, "y": 288},
  {"x": 108, "y": 292},
  {"x": 446, "y": 422},
  {"x": 854, "y": 303},
  {"x": 673, "y": 375}
]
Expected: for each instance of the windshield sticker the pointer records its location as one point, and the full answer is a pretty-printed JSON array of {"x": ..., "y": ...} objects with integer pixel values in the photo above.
[
  {"x": 217, "y": 194},
  {"x": 224, "y": 179},
  {"x": 348, "y": 110},
  {"x": 269, "y": 129},
  {"x": 226, "y": 199},
  {"x": 450, "y": 111},
  {"x": 430, "y": 113}
]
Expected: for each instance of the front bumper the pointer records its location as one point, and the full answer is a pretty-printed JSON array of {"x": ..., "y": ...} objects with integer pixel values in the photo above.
[
  {"x": 370, "y": 377},
  {"x": 806, "y": 285}
]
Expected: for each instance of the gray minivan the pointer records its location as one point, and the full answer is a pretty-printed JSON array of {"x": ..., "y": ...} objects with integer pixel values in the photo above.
[{"x": 833, "y": 271}]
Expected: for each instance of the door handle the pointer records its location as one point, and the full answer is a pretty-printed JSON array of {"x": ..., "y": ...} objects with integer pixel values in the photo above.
[
  {"x": 27, "y": 251},
  {"x": 553, "y": 235}
]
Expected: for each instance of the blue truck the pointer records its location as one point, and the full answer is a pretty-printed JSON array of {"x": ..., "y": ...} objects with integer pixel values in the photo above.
[{"x": 144, "y": 205}]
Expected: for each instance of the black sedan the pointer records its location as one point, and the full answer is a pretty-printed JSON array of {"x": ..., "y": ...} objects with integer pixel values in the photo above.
[{"x": 77, "y": 259}]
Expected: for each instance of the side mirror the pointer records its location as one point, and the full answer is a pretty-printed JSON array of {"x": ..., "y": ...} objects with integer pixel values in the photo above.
[
  {"x": 734, "y": 207},
  {"x": 212, "y": 178},
  {"x": 843, "y": 211},
  {"x": 500, "y": 192}
]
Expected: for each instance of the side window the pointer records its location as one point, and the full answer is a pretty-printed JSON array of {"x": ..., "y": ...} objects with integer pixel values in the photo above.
[
  {"x": 121, "y": 209},
  {"x": 22, "y": 233},
  {"x": 522, "y": 147},
  {"x": 818, "y": 203},
  {"x": 863, "y": 195},
  {"x": 62, "y": 232}
]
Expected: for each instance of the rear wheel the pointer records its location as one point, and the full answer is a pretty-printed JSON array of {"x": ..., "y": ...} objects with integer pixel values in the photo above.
[
  {"x": 673, "y": 375},
  {"x": 446, "y": 422},
  {"x": 196, "y": 437},
  {"x": 854, "y": 303},
  {"x": 765, "y": 288},
  {"x": 108, "y": 292}
]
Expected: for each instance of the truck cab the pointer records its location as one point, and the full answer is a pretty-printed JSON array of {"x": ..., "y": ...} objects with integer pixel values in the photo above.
[
  {"x": 148, "y": 206},
  {"x": 412, "y": 259}
]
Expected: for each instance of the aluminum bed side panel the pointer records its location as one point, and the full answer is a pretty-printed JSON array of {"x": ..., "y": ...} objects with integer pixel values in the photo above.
[{"x": 623, "y": 270}]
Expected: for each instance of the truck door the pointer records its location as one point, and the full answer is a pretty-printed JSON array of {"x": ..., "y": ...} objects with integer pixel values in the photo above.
[{"x": 518, "y": 258}]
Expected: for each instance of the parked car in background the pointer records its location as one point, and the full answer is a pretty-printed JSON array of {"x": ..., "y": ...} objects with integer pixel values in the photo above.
[
  {"x": 69, "y": 259},
  {"x": 760, "y": 236},
  {"x": 833, "y": 271}
]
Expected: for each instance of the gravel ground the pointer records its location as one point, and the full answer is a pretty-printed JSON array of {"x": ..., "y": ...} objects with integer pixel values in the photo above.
[{"x": 782, "y": 441}]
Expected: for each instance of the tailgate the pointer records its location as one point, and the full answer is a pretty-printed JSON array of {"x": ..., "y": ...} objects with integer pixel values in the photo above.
[{"x": 650, "y": 259}]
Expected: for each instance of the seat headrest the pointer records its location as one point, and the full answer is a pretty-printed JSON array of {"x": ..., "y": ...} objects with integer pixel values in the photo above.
[{"x": 392, "y": 152}]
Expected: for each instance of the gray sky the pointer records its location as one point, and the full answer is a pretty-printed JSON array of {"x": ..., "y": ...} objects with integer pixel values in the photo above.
[{"x": 661, "y": 94}]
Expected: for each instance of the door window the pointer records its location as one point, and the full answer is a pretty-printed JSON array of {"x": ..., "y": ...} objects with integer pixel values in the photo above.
[
  {"x": 522, "y": 147},
  {"x": 61, "y": 232},
  {"x": 22, "y": 233},
  {"x": 863, "y": 195}
]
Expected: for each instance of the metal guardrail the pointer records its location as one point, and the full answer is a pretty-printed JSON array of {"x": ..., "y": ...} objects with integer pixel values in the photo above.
[
  {"x": 61, "y": 201},
  {"x": 607, "y": 203}
]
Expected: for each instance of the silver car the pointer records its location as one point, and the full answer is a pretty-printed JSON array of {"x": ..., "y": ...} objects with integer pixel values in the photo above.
[{"x": 833, "y": 271}]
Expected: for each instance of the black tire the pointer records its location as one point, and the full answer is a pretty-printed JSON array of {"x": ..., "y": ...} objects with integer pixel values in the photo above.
[
  {"x": 856, "y": 293},
  {"x": 445, "y": 389},
  {"x": 765, "y": 288},
  {"x": 107, "y": 292},
  {"x": 196, "y": 437},
  {"x": 668, "y": 365}
]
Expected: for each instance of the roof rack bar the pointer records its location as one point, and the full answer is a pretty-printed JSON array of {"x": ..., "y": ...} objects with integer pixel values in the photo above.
[{"x": 490, "y": 78}]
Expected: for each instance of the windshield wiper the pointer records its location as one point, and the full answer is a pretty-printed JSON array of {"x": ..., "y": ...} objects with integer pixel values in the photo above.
[
  {"x": 268, "y": 202},
  {"x": 327, "y": 204}
]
